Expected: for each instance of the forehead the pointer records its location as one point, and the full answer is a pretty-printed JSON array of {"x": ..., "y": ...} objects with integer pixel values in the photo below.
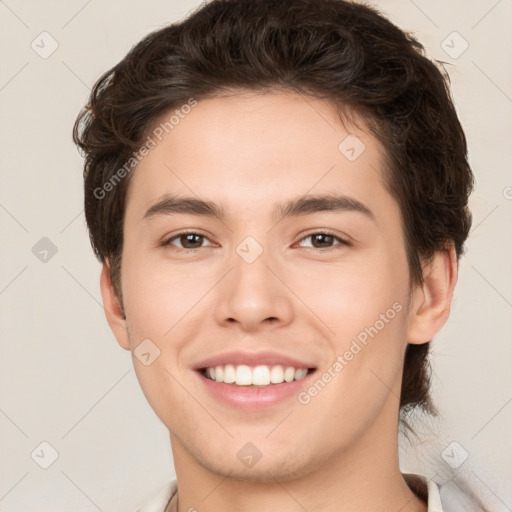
[{"x": 249, "y": 149}]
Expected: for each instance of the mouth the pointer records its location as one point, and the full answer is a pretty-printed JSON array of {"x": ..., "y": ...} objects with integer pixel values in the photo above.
[
  {"x": 254, "y": 388},
  {"x": 254, "y": 380}
]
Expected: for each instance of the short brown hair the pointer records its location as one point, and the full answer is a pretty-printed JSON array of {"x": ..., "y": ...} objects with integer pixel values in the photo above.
[{"x": 343, "y": 52}]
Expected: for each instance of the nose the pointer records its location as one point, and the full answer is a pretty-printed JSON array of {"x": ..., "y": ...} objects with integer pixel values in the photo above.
[{"x": 253, "y": 295}]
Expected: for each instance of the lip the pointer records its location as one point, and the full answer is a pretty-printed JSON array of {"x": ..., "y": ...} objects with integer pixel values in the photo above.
[
  {"x": 253, "y": 359},
  {"x": 253, "y": 398}
]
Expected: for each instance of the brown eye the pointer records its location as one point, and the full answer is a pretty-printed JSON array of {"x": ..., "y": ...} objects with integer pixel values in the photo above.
[
  {"x": 323, "y": 240},
  {"x": 187, "y": 241}
]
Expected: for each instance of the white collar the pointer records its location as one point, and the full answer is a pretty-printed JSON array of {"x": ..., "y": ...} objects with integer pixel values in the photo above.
[
  {"x": 433, "y": 492},
  {"x": 160, "y": 499}
]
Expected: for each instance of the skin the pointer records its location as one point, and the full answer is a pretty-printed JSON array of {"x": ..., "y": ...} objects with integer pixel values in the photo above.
[{"x": 246, "y": 152}]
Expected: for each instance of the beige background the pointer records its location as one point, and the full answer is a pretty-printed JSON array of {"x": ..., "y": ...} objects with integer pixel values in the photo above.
[{"x": 63, "y": 378}]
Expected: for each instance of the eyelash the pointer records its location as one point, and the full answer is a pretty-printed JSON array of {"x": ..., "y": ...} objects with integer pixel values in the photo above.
[{"x": 342, "y": 241}]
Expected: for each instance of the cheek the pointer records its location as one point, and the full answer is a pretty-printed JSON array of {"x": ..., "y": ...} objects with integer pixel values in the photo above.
[
  {"x": 364, "y": 304},
  {"x": 366, "y": 311},
  {"x": 352, "y": 295},
  {"x": 159, "y": 303},
  {"x": 158, "y": 295}
]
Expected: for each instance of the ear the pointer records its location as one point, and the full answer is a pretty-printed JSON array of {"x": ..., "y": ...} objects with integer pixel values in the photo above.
[
  {"x": 431, "y": 301},
  {"x": 112, "y": 306}
]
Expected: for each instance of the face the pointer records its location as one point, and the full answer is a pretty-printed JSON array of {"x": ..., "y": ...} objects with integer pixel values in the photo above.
[{"x": 324, "y": 285}]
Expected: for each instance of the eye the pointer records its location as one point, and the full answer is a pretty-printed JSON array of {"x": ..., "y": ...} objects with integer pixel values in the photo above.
[
  {"x": 324, "y": 240},
  {"x": 189, "y": 240}
]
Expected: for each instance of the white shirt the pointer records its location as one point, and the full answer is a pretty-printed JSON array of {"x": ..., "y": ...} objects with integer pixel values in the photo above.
[{"x": 160, "y": 500}]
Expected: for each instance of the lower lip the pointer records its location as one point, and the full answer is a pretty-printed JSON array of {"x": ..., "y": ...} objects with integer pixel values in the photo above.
[{"x": 252, "y": 397}]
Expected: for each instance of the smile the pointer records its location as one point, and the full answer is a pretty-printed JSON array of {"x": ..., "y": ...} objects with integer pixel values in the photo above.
[{"x": 262, "y": 375}]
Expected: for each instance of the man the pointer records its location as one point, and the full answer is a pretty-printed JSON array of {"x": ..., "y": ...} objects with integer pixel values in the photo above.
[{"x": 278, "y": 194}]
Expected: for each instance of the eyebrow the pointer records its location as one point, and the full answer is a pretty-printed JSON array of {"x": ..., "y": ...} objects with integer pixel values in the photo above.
[{"x": 303, "y": 205}]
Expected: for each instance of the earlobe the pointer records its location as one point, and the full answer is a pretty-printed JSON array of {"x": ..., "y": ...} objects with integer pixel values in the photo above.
[
  {"x": 112, "y": 307},
  {"x": 431, "y": 301}
]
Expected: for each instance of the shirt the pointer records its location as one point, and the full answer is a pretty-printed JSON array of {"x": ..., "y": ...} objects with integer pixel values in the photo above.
[{"x": 159, "y": 501}]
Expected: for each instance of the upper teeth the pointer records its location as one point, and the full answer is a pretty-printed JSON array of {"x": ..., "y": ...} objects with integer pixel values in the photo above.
[{"x": 263, "y": 375}]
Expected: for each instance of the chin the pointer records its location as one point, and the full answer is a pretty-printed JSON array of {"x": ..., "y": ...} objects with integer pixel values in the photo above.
[{"x": 264, "y": 471}]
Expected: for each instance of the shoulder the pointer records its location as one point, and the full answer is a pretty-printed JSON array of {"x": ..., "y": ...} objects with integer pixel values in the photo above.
[
  {"x": 158, "y": 500},
  {"x": 427, "y": 489}
]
